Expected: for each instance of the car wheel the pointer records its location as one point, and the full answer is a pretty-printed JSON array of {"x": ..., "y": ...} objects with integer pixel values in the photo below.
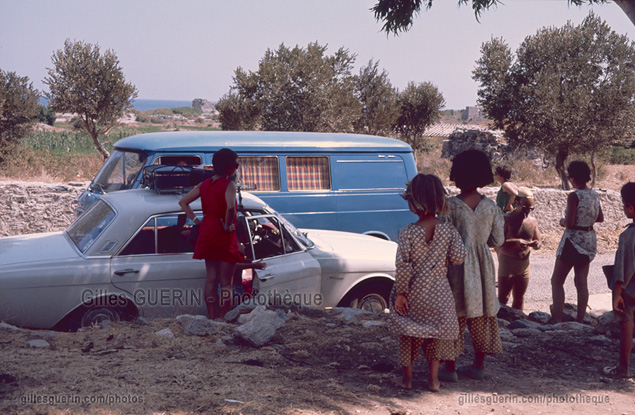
[
  {"x": 94, "y": 316},
  {"x": 370, "y": 297}
]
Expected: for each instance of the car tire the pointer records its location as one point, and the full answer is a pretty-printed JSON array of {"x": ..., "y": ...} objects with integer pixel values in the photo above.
[
  {"x": 370, "y": 297},
  {"x": 94, "y": 316}
]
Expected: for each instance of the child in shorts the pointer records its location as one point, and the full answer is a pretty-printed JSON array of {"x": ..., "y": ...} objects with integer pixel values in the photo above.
[{"x": 624, "y": 285}]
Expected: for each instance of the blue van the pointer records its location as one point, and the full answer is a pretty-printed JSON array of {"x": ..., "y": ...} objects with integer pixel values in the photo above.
[{"x": 346, "y": 182}]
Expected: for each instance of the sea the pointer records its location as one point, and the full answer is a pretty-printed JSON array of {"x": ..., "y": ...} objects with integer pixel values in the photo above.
[{"x": 148, "y": 104}]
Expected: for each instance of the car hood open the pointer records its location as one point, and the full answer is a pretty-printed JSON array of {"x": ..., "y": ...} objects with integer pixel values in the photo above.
[{"x": 34, "y": 248}]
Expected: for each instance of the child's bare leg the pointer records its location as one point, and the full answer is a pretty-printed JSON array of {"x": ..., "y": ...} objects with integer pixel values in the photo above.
[
  {"x": 626, "y": 345},
  {"x": 406, "y": 380},
  {"x": 560, "y": 271},
  {"x": 211, "y": 286},
  {"x": 580, "y": 279},
  {"x": 433, "y": 379}
]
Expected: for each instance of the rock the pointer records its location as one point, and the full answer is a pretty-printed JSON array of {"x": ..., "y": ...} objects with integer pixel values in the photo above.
[
  {"x": 332, "y": 325},
  {"x": 607, "y": 325},
  {"x": 234, "y": 313},
  {"x": 203, "y": 105},
  {"x": 510, "y": 314},
  {"x": 260, "y": 327},
  {"x": 523, "y": 324},
  {"x": 502, "y": 323},
  {"x": 282, "y": 314},
  {"x": 105, "y": 324},
  {"x": 506, "y": 335},
  {"x": 600, "y": 340},
  {"x": 5, "y": 326},
  {"x": 570, "y": 313},
  {"x": 525, "y": 332},
  {"x": 197, "y": 325},
  {"x": 142, "y": 321},
  {"x": 166, "y": 332},
  {"x": 573, "y": 326},
  {"x": 350, "y": 315},
  {"x": 373, "y": 323},
  {"x": 38, "y": 344},
  {"x": 47, "y": 334},
  {"x": 539, "y": 317}
]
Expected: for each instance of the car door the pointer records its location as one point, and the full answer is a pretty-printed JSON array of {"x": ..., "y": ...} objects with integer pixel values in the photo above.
[
  {"x": 292, "y": 275},
  {"x": 157, "y": 269}
]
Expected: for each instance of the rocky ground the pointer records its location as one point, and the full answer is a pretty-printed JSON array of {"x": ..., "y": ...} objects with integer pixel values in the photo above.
[{"x": 315, "y": 362}]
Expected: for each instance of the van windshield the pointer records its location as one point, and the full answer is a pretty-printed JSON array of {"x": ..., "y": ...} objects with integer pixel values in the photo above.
[{"x": 119, "y": 172}]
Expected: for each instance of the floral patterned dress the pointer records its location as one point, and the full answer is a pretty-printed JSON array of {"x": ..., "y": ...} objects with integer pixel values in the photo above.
[
  {"x": 583, "y": 241},
  {"x": 474, "y": 283},
  {"x": 422, "y": 274}
]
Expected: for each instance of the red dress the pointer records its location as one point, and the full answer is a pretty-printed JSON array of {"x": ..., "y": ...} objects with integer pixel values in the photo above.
[{"x": 213, "y": 242}]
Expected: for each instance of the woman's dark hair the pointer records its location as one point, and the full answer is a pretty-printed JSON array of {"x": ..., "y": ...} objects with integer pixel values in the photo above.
[
  {"x": 504, "y": 172},
  {"x": 471, "y": 169},
  {"x": 628, "y": 193},
  {"x": 425, "y": 195},
  {"x": 580, "y": 171},
  {"x": 224, "y": 159}
]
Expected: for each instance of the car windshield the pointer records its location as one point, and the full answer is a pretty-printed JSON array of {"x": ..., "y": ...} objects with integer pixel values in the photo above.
[
  {"x": 85, "y": 230},
  {"x": 120, "y": 171},
  {"x": 295, "y": 231}
]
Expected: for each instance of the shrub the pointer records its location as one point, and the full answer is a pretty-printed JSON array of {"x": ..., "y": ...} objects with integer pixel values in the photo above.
[{"x": 46, "y": 115}]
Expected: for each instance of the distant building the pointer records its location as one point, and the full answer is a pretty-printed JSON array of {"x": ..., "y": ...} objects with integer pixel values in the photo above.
[{"x": 471, "y": 113}]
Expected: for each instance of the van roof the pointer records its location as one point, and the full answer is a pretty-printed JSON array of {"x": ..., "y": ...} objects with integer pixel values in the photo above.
[{"x": 261, "y": 141}]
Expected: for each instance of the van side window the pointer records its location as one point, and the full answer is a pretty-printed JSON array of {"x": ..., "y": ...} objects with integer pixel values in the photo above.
[
  {"x": 308, "y": 173},
  {"x": 371, "y": 174},
  {"x": 259, "y": 173}
]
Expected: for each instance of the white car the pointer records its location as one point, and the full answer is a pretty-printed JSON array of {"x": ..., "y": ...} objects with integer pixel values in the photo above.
[{"x": 131, "y": 255}]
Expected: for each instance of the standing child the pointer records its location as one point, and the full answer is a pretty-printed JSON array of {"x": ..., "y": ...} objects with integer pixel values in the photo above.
[
  {"x": 508, "y": 190},
  {"x": 624, "y": 285},
  {"x": 578, "y": 245},
  {"x": 480, "y": 223},
  {"x": 521, "y": 234},
  {"x": 421, "y": 297}
]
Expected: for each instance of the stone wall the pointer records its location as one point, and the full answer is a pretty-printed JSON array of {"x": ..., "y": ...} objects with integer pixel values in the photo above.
[{"x": 28, "y": 207}]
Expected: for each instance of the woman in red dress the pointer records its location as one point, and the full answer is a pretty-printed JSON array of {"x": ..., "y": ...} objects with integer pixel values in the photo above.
[{"x": 217, "y": 243}]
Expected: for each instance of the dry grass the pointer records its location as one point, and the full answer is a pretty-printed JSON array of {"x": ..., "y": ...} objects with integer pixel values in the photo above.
[{"x": 29, "y": 164}]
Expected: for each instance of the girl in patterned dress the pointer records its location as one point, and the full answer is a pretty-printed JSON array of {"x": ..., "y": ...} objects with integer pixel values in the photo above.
[
  {"x": 421, "y": 301},
  {"x": 480, "y": 223},
  {"x": 578, "y": 244}
]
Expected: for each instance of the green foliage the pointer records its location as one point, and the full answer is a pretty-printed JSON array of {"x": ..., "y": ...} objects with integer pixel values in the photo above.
[
  {"x": 46, "y": 115},
  {"x": 189, "y": 112},
  {"x": 378, "y": 98},
  {"x": 142, "y": 117},
  {"x": 569, "y": 90},
  {"x": 294, "y": 90},
  {"x": 85, "y": 82},
  {"x": 60, "y": 142},
  {"x": 18, "y": 108},
  {"x": 419, "y": 108},
  {"x": 398, "y": 15},
  {"x": 618, "y": 155}
]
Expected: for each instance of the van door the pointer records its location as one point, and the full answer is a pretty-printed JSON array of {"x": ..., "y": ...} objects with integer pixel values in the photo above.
[{"x": 369, "y": 189}]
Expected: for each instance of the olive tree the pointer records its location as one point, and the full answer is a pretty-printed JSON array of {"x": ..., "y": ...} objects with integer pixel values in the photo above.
[
  {"x": 18, "y": 108},
  {"x": 90, "y": 84},
  {"x": 567, "y": 90},
  {"x": 419, "y": 107},
  {"x": 294, "y": 89},
  {"x": 378, "y": 99}
]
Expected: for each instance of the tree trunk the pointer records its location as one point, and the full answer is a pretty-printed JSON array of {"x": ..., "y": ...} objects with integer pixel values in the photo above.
[
  {"x": 100, "y": 147},
  {"x": 628, "y": 6},
  {"x": 594, "y": 169},
  {"x": 561, "y": 156}
]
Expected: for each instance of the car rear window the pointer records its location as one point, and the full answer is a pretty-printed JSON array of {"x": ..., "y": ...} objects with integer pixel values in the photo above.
[{"x": 87, "y": 228}]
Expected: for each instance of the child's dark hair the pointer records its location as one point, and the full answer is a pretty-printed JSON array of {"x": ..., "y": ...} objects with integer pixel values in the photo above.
[
  {"x": 471, "y": 169},
  {"x": 504, "y": 172},
  {"x": 628, "y": 193},
  {"x": 425, "y": 195},
  {"x": 580, "y": 171},
  {"x": 224, "y": 159}
]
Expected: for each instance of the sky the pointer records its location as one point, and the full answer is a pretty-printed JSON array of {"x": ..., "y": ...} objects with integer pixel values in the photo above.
[{"x": 187, "y": 49}]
